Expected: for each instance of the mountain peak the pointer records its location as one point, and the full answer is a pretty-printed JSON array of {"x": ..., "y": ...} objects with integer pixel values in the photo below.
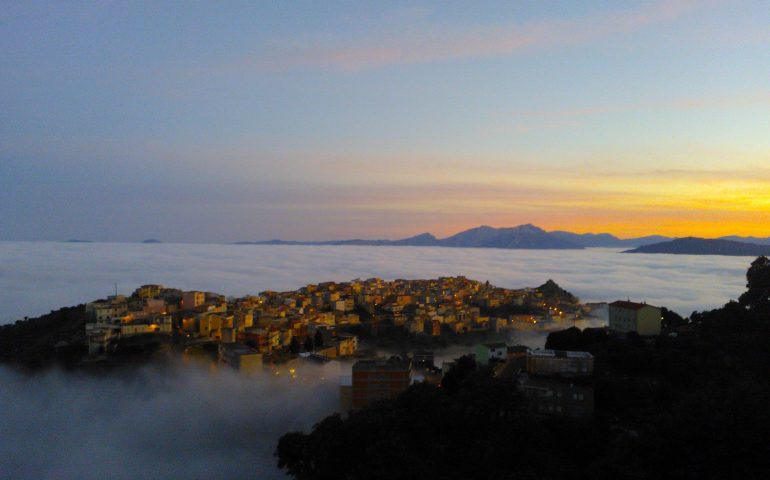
[
  {"x": 529, "y": 227},
  {"x": 522, "y": 236}
]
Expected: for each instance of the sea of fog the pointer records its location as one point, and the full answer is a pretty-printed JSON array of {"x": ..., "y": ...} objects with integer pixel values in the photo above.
[
  {"x": 36, "y": 277},
  {"x": 194, "y": 422},
  {"x": 188, "y": 422}
]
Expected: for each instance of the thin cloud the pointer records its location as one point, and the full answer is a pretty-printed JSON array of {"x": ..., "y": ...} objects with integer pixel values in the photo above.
[
  {"x": 423, "y": 42},
  {"x": 442, "y": 44}
]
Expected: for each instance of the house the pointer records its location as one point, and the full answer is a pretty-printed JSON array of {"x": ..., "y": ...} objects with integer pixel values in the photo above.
[
  {"x": 99, "y": 336},
  {"x": 516, "y": 362},
  {"x": 491, "y": 351},
  {"x": 240, "y": 357},
  {"x": 346, "y": 344},
  {"x": 156, "y": 324},
  {"x": 210, "y": 325},
  {"x": 627, "y": 316},
  {"x": 345, "y": 305},
  {"x": 191, "y": 300},
  {"x": 104, "y": 310},
  {"x": 154, "y": 306},
  {"x": 148, "y": 291}
]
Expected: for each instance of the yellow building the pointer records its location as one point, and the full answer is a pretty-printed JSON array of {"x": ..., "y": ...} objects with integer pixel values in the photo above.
[
  {"x": 240, "y": 357},
  {"x": 346, "y": 345},
  {"x": 148, "y": 291},
  {"x": 210, "y": 325},
  {"x": 626, "y": 316},
  {"x": 244, "y": 318}
]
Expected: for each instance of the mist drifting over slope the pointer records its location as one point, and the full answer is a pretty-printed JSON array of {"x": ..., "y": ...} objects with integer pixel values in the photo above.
[
  {"x": 36, "y": 277},
  {"x": 192, "y": 422},
  {"x": 185, "y": 423}
]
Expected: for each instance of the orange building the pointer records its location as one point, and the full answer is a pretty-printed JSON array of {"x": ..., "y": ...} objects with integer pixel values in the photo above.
[
  {"x": 379, "y": 379},
  {"x": 190, "y": 300}
]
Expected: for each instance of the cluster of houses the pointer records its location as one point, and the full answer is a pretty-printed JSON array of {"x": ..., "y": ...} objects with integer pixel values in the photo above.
[
  {"x": 246, "y": 329},
  {"x": 271, "y": 321},
  {"x": 553, "y": 382},
  {"x": 420, "y": 307},
  {"x": 147, "y": 311},
  {"x": 288, "y": 332}
]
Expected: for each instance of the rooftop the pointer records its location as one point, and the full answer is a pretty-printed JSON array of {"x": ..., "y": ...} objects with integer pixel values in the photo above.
[
  {"x": 517, "y": 349},
  {"x": 237, "y": 348},
  {"x": 392, "y": 363},
  {"x": 628, "y": 305},
  {"x": 559, "y": 354}
]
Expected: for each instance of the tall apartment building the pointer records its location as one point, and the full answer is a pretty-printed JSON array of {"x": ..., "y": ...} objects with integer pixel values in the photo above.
[
  {"x": 379, "y": 379},
  {"x": 559, "y": 362}
]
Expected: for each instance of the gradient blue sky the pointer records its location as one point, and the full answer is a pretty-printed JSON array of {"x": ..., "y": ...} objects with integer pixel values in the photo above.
[{"x": 203, "y": 121}]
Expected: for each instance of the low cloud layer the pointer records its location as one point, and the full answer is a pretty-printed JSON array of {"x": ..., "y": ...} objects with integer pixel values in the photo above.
[
  {"x": 197, "y": 423},
  {"x": 36, "y": 277},
  {"x": 187, "y": 423}
]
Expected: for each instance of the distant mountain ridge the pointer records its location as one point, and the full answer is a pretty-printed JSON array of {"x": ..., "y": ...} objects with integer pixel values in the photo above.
[
  {"x": 704, "y": 246},
  {"x": 607, "y": 239},
  {"x": 526, "y": 236},
  {"x": 756, "y": 240}
]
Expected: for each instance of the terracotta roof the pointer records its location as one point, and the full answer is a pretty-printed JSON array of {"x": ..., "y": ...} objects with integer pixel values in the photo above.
[{"x": 629, "y": 305}]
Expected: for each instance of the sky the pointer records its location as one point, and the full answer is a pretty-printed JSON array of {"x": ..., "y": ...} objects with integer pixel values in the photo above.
[{"x": 230, "y": 121}]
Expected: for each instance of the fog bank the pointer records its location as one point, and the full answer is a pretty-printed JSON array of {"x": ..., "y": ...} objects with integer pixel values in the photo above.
[
  {"x": 36, "y": 277},
  {"x": 187, "y": 423}
]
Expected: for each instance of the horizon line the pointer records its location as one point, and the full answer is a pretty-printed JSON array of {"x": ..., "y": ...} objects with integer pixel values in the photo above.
[{"x": 358, "y": 238}]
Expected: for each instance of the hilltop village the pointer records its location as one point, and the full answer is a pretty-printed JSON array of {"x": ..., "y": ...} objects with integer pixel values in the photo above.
[
  {"x": 324, "y": 319},
  {"x": 327, "y": 330},
  {"x": 304, "y": 333}
]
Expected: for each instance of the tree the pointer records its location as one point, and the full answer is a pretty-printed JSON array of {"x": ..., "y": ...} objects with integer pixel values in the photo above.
[
  {"x": 318, "y": 339},
  {"x": 308, "y": 344},
  {"x": 460, "y": 371},
  {"x": 568, "y": 339},
  {"x": 292, "y": 453},
  {"x": 671, "y": 319},
  {"x": 756, "y": 299},
  {"x": 294, "y": 345}
]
